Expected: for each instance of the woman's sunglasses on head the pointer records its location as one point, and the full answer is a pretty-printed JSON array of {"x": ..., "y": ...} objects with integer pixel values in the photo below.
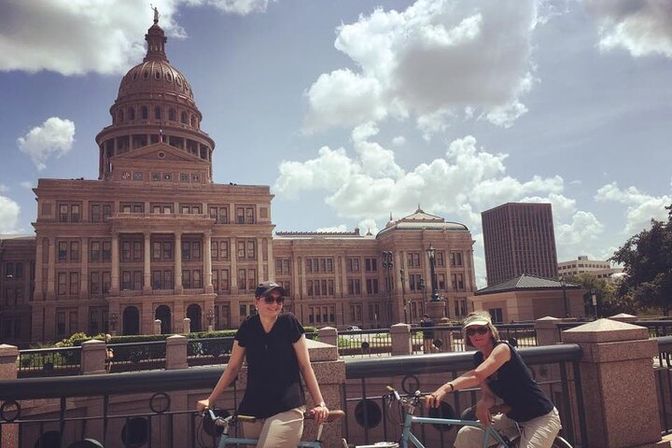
[
  {"x": 270, "y": 299},
  {"x": 477, "y": 330}
]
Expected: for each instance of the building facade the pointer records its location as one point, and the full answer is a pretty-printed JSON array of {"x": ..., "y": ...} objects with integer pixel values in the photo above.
[
  {"x": 155, "y": 238},
  {"x": 519, "y": 239},
  {"x": 583, "y": 265}
]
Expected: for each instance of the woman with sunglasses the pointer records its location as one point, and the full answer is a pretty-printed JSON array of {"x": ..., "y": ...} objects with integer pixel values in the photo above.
[
  {"x": 275, "y": 348},
  {"x": 501, "y": 373}
]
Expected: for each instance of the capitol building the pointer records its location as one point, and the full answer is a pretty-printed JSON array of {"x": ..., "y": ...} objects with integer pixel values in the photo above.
[{"x": 154, "y": 238}]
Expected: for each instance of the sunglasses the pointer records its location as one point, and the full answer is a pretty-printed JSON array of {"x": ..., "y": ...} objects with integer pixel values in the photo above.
[
  {"x": 270, "y": 300},
  {"x": 477, "y": 330}
]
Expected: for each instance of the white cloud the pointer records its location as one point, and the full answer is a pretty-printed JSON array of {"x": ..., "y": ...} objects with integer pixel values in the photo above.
[
  {"x": 4, "y": 188},
  {"x": 641, "y": 207},
  {"x": 436, "y": 59},
  {"x": 9, "y": 215},
  {"x": 54, "y": 137},
  {"x": 642, "y": 27},
  {"x": 103, "y": 36},
  {"x": 28, "y": 185},
  {"x": 240, "y": 7},
  {"x": 398, "y": 141},
  {"x": 333, "y": 229}
]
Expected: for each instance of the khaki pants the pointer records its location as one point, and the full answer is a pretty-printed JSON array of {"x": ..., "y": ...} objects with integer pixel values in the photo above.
[
  {"x": 282, "y": 430},
  {"x": 536, "y": 433}
]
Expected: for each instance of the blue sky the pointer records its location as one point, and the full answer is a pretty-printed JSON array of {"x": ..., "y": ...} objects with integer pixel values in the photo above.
[{"x": 354, "y": 109}]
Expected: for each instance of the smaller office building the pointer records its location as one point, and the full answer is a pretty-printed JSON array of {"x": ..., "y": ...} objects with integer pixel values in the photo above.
[{"x": 526, "y": 298}]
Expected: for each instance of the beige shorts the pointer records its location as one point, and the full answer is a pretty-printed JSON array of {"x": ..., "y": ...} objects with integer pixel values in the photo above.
[
  {"x": 282, "y": 430},
  {"x": 536, "y": 433}
]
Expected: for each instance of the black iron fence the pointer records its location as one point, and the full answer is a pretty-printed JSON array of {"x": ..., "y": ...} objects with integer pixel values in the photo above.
[{"x": 49, "y": 362}]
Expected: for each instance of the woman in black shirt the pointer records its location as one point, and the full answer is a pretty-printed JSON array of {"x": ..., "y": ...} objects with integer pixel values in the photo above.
[
  {"x": 500, "y": 372},
  {"x": 276, "y": 351}
]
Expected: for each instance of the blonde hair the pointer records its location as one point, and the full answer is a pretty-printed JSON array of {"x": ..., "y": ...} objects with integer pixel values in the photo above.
[{"x": 479, "y": 315}]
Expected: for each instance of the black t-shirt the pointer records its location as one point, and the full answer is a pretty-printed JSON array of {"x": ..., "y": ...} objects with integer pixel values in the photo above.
[
  {"x": 273, "y": 375},
  {"x": 513, "y": 383},
  {"x": 428, "y": 333}
]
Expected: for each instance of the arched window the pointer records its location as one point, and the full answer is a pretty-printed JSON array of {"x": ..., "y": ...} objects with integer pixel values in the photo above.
[
  {"x": 144, "y": 112},
  {"x": 157, "y": 113},
  {"x": 193, "y": 121},
  {"x": 172, "y": 115},
  {"x": 183, "y": 117}
]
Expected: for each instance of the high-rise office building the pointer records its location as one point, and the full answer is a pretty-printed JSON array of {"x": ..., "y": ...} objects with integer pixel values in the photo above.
[{"x": 519, "y": 239}]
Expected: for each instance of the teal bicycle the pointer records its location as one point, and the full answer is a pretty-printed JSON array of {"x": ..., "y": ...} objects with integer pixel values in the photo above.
[
  {"x": 410, "y": 403},
  {"x": 226, "y": 423}
]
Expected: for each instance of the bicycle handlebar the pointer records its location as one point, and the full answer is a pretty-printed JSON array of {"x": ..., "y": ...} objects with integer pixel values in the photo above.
[{"x": 308, "y": 415}]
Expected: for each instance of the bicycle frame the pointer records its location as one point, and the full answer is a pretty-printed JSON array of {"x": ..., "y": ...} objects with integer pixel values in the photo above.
[
  {"x": 226, "y": 441},
  {"x": 490, "y": 434}
]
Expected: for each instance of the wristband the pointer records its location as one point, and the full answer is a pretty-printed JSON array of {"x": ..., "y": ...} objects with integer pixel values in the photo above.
[{"x": 452, "y": 388}]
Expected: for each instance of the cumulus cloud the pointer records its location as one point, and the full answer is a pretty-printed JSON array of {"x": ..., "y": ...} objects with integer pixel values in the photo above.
[
  {"x": 333, "y": 229},
  {"x": 9, "y": 215},
  {"x": 641, "y": 27},
  {"x": 641, "y": 207},
  {"x": 436, "y": 59},
  {"x": 466, "y": 181},
  {"x": 53, "y": 138},
  {"x": 103, "y": 36}
]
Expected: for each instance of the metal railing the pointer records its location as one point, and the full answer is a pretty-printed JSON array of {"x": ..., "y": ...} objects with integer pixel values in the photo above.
[
  {"x": 209, "y": 351},
  {"x": 49, "y": 362},
  {"x": 364, "y": 342},
  {"x": 663, "y": 376}
]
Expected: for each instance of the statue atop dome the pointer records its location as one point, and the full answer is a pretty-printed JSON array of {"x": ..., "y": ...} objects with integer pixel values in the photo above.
[{"x": 156, "y": 13}]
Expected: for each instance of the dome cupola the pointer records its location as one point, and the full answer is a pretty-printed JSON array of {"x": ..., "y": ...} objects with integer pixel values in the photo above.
[{"x": 155, "y": 104}]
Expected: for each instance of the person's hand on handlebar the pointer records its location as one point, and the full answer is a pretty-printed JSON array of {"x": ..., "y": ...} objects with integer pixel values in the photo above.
[
  {"x": 202, "y": 405},
  {"x": 320, "y": 413},
  {"x": 483, "y": 413}
]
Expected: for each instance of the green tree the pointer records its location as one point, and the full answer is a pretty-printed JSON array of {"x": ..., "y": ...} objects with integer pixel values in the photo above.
[
  {"x": 647, "y": 262},
  {"x": 608, "y": 301}
]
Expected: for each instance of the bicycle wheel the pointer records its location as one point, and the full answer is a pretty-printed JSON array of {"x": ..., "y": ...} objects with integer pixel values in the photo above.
[{"x": 559, "y": 442}]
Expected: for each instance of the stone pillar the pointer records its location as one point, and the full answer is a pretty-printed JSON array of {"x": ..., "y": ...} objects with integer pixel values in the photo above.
[
  {"x": 207, "y": 262},
  {"x": 178, "y": 263},
  {"x": 436, "y": 310},
  {"x": 93, "y": 357},
  {"x": 157, "y": 326},
  {"x": 547, "y": 331},
  {"x": 114, "y": 276},
  {"x": 624, "y": 317},
  {"x": 328, "y": 335},
  {"x": 270, "y": 261},
  {"x": 39, "y": 257},
  {"x": 147, "y": 271},
  {"x": 176, "y": 352},
  {"x": 618, "y": 385},
  {"x": 84, "y": 272},
  {"x": 51, "y": 269},
  {"x": 9, "y": 354},
  {"x": 186, "y": 328},
  {"x": 401, "y": 339}
]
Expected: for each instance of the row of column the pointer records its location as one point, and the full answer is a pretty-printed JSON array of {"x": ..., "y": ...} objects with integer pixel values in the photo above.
[{"x": 147, "y": 265}]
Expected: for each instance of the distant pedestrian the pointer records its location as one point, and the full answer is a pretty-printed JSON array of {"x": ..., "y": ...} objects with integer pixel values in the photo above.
[
  {"x": 109, "y": 353},
  {"x": 427, "y": 334}
]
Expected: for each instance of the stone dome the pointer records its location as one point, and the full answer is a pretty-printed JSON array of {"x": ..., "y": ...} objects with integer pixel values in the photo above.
[{"x": 156, "y": 76}]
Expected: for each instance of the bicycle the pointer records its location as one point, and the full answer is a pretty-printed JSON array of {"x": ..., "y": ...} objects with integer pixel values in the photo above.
[
  {"x": 225, "y": 440},
  {"x": 408, "y": 406}
]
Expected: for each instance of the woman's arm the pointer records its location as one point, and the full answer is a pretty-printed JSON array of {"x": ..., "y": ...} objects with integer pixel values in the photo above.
[
  {"x": 301, "y": 348},
  {"x": 230, "y": 373},
  {"x": 499, "y": 355}
]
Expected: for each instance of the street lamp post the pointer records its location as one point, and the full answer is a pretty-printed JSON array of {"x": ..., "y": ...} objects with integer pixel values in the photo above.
[
  {"x": 564, "y": 296},
  {"x": 431, "y": 253},
  {"x": 403, "y": 294},
  {"x": 593, "y": 297},
  {"x": 210, "y": 315},
  {"x": 388, "y": 264}
]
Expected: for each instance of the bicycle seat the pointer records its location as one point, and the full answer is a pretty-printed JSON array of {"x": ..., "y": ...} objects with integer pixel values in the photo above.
[{"x": 333, "y": 415}]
